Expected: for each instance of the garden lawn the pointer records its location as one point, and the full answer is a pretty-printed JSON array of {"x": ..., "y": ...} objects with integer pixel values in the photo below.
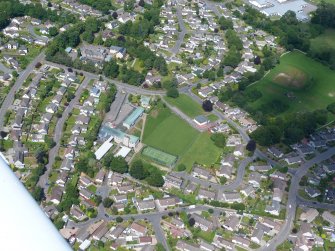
[
  {"x": 306, "y": 98},
  {"x": 167, "y": 132},
  {"x": 186, "y": 104}
]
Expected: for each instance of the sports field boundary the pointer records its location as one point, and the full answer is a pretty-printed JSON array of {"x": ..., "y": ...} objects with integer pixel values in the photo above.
[{"x": 159, "y": 156}]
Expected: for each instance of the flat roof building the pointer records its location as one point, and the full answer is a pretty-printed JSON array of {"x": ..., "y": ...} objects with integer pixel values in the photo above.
[
  {"x": 201, "y": 120},
  {"x": 119, "y": 136},
  {"x": 104, "y": 148},
  {"x": 133, "y": 117}
]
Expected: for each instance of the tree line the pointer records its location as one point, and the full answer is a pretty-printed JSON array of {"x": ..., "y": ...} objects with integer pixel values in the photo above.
[{"x": 13, "y": 8}]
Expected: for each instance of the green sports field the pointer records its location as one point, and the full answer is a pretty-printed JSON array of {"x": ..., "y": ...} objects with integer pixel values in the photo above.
[
  {"x": 170, "y": 134},
  {"x": 186, "y": 105},
  {"x": 159, "y": 156},
  {"x": 298, "y": 81}
]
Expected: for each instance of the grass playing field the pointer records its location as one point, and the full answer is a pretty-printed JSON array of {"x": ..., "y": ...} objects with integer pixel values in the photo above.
[
  {"x": 186, "y": 105},
  {"x": 170, "y": 134},
  {"x": 298, "y": 81}
]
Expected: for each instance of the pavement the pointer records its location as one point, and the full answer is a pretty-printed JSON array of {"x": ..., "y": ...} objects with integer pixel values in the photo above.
[
  {"x": 58, "y": 134},
  {"x": 33, "y": 33},
  {"x": 292, "y": 201},
  {"x": 182, "y": 32},
  {"x": 120, "y": 85},
  {"x": 18, "y": 84},
  {"x": 307, "y": 203},
  {"x": 182, "y": 115}
]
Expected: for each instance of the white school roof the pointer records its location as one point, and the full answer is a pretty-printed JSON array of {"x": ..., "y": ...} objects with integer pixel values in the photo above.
[
  {"x": 123, "y": 152},
  {"x": 25, "y": 225},
  {"x": 103, "y": 149}
]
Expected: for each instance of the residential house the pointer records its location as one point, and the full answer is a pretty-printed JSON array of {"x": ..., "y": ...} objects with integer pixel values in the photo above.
[
  {"x": 125, "y": 189},
  {"x": 274, "y": 208},
  {"x": 329, "y": 217},
  {"x": 185, "y": 246},
  {"x": 275, "y": 152},
  {"x": 221, "y": 243},
  {"x": 255, "y": 179},
  {"x": 168, "y": 202},
  {"x": 206, "y": 194},
  {"x": 172, "y": 181},
  {"x": 231, "y": 223},
  {"x": 257, "y": 235},
  {"x": 120, "y": 198},
  {"x": 225, "y": 171},
  {"x": 231, "y": 197},
  {"x": 116, "y": 232},
  {"x": 86, "y": 194},
  {"x": 56, "y": 195},
  {"x": 62, "y": 179},
  {"x": 243, "y": 242},
  {"x": 144, "y": 205},
  {"x": 138, "y": 229},
  {"x": 76, "y": 213},
  {"x": 201, "y": 173},
  {"x": 309, "y": 215},
  {"x": 99, "y": 178},
  {"x": 202, "y": 223}
]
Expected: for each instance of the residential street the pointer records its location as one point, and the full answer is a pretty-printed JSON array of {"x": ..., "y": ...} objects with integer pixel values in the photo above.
[
  {"x": 181, "y": 34},
  {"x": 33, "y": 33},
  {"x": 292, "y": 201},
  {"x": 58, "y": 134},
  {"x": 18, "y": 84},
  {"x": 121, "y": 86}
]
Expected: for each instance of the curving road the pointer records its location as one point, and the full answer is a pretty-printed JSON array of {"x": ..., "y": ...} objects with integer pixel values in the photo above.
[
  {"x": 120, "y": 85},
  {"x": 53, "y": 152},
  {"x": 181, "y": 34},
  {"x": 292, "y": 201},
  {"x": 18, "y": 84}
]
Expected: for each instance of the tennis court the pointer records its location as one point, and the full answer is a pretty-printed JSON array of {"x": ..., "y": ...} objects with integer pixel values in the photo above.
[{"x": 159, "y": 156}]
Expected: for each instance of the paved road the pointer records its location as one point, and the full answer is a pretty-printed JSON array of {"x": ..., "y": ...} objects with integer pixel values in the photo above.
[
  {"x": 292, "y": 199},
  {"x": 308, "y": 203},
  {"x": 150, "y": 215},
  {"x": 159, "y": 233},
  {"x": 58, "y": 134},
  {"x": 121, "y": 86},
  {"x": 181, "y": 34},
  {"x": 18, "y": 84},
  {"x": 33, "y": 33}
]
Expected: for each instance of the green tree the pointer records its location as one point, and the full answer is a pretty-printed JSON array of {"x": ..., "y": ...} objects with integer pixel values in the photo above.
[
  {"x": 107, "y": 202},
  {"x": 53, "y": 31},
  {"x": 172, "y": 92},
  {"x": 138, "y": 171},
  {"x": 119, "y": 165},
  {"x": 219, "y": 139},
  {"x": 155, "y": 179},
  {"x": 111, "y": 69},
  {"x": 181, "y": 167}
]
